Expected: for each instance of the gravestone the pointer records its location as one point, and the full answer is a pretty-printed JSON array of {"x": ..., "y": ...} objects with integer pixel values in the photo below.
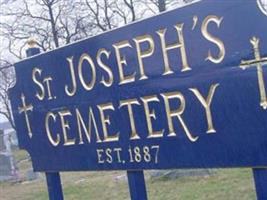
[
  {"x": 2, "y": 144},
  {"x": 5, "y": 168},
  {"x": 14, "y": 139},
  {"x": 9, "y": 134},
  {"x": 31, "y": 175},
  {"x": 7, "y": 163}
]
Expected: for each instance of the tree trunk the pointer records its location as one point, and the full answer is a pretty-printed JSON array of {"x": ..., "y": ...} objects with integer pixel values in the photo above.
[
  {"x": 161, "y": 5},
  {"x": 53, "y": 26}
]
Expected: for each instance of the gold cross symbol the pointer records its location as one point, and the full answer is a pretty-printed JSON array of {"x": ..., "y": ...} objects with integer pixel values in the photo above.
[
  {"x": 257, "y": 62},
  {"x": 24, "y": 109}
]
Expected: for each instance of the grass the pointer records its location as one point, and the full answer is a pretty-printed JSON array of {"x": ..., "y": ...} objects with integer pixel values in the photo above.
[
  {"x": 225, "y": 184},
  {"x": 230, "y": 184},
  {"x": 20, "y": 155}
]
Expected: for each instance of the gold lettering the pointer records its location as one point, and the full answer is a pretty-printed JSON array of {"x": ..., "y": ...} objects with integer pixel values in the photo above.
[
  {"x": 106, "y": 121},
  {"x": 65, "y": 126},
  {"x": 129, "y": 103},
  {"x": 258, "y": 62},
  {"x": 121, "y": 61},
  {"x": 47, "y": 128},
  {"x": 107, "y": 69},
  {"x": 206, "y": 104},
  {"x": 25, "y": 109},
  {"x": 144, "y": 54},
  {"x": 87, "y": 131},
  {"x": 166, "y": 48},
  {"x": 99, "y": 155},
  {"x": 151, "y": 114},
  {"x": 47, "y": 81},
  {"x": 90, "y": 85},
  {"x": 41, "y": 94},
  {"x": 71, "y": 92},
  {"x": 213, "y": 39},
  {"x": 108, "y": 154},
  {"x": 176, "y": 113},
  {"x": 118, "y": 152}
]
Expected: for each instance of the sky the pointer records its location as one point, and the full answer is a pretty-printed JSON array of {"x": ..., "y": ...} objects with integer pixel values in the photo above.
[{"x": 2, "y": 119}]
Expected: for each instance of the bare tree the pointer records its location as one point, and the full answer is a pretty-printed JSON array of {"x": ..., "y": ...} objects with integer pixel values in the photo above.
[
  {"x": 51, "y": 22},
  {"x": 6, "y": 82},
  {"x": 161, "y": 5},
  {"x": 156, "y": 6},
  {"x": 109, "y": 14}
]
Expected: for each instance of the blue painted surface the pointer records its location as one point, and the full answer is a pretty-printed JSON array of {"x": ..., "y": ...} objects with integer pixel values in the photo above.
[
  {"x": 32, "y": 51},
  {"x": 54, "y": 186},
  {"x": 239, "y": 120},
  {"x": 53, "y": 181},
  {"x": 260, "y": 178},
  {"x": 137, "y": 186}
]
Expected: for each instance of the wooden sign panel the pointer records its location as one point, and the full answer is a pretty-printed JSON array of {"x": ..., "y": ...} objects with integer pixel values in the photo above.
[{"x": 184, "y": 89}]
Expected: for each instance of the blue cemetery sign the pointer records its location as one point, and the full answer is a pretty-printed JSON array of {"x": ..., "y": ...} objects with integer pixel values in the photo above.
[{"x": 184, "y": 89}]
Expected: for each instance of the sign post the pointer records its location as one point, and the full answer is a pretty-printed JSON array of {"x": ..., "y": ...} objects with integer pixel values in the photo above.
[
  {"x": 184, "y": 89},
  {"x": 137, "y": 185},
  {"x": 54, "y": 186},
  {"x": 260, "y": 178}
]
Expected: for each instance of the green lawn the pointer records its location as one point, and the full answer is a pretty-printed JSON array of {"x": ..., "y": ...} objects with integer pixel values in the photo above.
[{"x": 224, "y": 184}]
